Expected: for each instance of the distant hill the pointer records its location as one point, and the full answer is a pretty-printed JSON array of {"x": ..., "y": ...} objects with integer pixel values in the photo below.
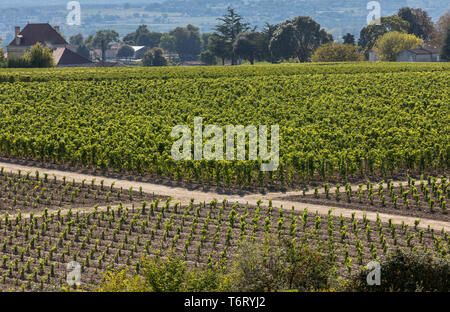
[{"x": 337, "y": 16}]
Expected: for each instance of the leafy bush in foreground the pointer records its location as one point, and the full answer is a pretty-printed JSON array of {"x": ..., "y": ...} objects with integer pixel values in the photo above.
[
  {"x": 270, "y": 267},
  {"x": 408, "y": 272},
  {"x": 38, "y": 56},
  {"x": 279, "y": 266},
  {"x": 169, "y": 274},
  {"x": 337, "y": 52}
]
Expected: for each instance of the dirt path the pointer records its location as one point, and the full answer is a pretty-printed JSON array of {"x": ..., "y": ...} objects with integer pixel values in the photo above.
[{"x": 184, "y": 196}]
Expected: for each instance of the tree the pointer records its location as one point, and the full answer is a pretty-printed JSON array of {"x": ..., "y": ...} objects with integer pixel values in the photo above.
[
  {"x": 443, "y": 23},
  {"x": 89, "y": 42},
  {"x": 103, "y": 38},
  {"x": 83, "y": 51},
  {"x": 130, "y": 38},
  {"x": 349, "y": 39},
  {"x": 283, "y": 43},
  {"x": 267, "y": 33},
  {"x": 168, "y": 43},
  {"x": 337, "y": 52},
  {"x": 2, "y": 57},
  {"x": 298, "y": 37},
  {"x": 232, "y": 25},
  {"x": 77, "y": 40},
  {"x": 125, "y": 51},
  {"x": 325, "y": 37},
  {"x": 389, "y": 45},
  {"x": 150, "y": 39},
  {"x": 208, "y": 58},
  {"x": 163, "y": 274},
  {"x": 158, "y": 57},
  {"x": 187, "y": 42},
  {"x": 249, "y": 46},
  {"x": 369, "y": 34},
  {"x": 39, "y": 56},
  {"x": 439, "y": 31},
  {"x": 17, "y": 62},
  {"x": 81, "y": 45},
  {"x": 279, "y": 265},
  {"x": 445, "y": 50},
  {"x": 220, "y": 47},
  {"x": 147, "y": 60},
  {"x": 420, "y": 23},
  {"x": 154, "y": 57},
  {"x": 143, "y": 37},
  {"x": 404, "y": 271},
  {"x": 205, "y": 40}
]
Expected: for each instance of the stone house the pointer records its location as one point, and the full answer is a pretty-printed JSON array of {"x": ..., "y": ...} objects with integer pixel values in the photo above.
[
  {"x": 421, "y": 54},
  {"x": 49, "y": 36},
  {"x": 33, "y": 33}
]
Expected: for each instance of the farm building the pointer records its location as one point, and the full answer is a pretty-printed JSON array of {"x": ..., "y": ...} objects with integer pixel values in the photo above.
[
  {"x": 110, "y": 53},
  {"x": 65, "y": 57},
  {"x": 421, "y": 54},
  {"x": 32, "y": 34},
  {"x": 373, "y": 56},
  {"x": 139, "y": 51},
  {"x": 48, "y": 36}
]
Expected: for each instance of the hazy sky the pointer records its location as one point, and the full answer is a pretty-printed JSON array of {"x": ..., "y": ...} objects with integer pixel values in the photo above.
[
  {"x": 337, "y": 16},
  {"x": 10, "y": 3}
]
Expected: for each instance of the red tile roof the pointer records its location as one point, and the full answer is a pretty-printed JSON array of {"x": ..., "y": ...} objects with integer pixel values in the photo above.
[{"x": 34, "y": 33}]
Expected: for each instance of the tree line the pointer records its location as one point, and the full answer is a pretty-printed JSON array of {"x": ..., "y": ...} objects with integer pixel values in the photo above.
[{"x": 300, "y": 38}]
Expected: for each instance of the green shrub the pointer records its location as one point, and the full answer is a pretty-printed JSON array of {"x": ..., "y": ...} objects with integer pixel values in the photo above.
[
  {"x": 40, "y": 56},
  {"x": 168, "y": 274},
  {"x": 208, "y": 58},
  {"x": 121, "y": 281},
  {"x": 407, "y": 272},
  {"x": 154, "y": 57},
  {"x": 273, "y": 266},
  {"x": 337, "y": 52},
  {"x": 279, "y": 266},
  {"x": 17, "y": 62},
  {"x": 2, "y": 57},
  {"x": 164, "y": 274}
]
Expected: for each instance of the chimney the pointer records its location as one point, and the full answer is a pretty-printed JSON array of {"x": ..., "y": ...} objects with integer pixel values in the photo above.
[
  {"x": 16, "y": 34},
  {"x": 56, "y": 28}
]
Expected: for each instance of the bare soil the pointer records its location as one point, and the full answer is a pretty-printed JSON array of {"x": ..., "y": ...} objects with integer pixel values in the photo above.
[{"x": 36, "y": 249}]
